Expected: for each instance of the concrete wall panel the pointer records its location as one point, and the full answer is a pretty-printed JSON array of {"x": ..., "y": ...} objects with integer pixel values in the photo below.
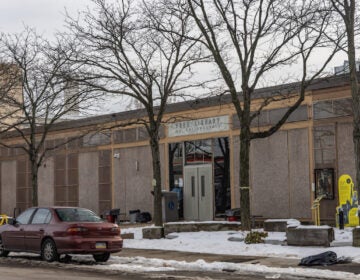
[
  {"x": 89, "y": 181},
  {"x": 8, "y": 187},
  {"x": 345, "y": 146},
  {"x": 46, "y": 183},
  {"x": 299, "y": 169},
  {"x": 132, "y": 178},
  {"x": 270, "y": 180}
]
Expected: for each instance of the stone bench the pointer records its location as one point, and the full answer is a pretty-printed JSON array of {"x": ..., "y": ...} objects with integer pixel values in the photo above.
[
  {"x": 279, "y": 225},
  {"x": 310, "y": 236}
]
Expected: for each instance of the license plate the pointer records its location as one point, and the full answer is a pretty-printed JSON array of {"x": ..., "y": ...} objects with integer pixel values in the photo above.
[{"x": 100, "y": 245}]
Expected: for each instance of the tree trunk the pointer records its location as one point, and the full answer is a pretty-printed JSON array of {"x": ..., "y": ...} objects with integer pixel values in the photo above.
[
  {"x": 34, "y": 182},
  {"x": 356, "y": 126},
  {"x": 355, "y": 92},
  {"x": 356, "y": 140},
  {"x": 154, "y": 143},
  {"x": 245, "y": 178}
]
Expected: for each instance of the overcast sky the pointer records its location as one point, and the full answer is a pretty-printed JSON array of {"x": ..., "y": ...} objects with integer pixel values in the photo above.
[{"x": 46, "y": 16}]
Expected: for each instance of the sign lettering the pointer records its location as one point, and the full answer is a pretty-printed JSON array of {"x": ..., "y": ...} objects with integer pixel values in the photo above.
[{"x": 198, "y": 126}]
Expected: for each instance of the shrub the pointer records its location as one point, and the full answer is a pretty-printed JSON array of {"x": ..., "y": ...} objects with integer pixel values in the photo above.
[{"x": 255, "y": 237}]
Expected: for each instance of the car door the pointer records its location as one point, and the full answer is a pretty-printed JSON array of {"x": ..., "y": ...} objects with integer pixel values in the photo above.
[
  {"x": 14, "y": 236},
  {"x": 36, "y": 228}
]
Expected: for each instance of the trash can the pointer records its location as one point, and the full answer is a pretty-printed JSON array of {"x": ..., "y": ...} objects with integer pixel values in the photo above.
[
  {"x": 170, "y": 206},
  {"x": 133, "y": 214}
]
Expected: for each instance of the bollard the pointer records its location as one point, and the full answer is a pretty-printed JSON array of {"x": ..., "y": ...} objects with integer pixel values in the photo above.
[{"x": 341, "y": 219}]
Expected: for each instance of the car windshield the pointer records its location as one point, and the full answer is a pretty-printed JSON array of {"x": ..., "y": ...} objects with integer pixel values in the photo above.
[{"x": 77, "y": 215}]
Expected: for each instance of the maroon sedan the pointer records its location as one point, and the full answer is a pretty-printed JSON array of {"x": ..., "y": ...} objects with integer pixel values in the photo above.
[{"x": 52, "y": 231}]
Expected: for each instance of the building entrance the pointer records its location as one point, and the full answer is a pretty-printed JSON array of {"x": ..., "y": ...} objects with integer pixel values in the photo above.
[
  {"x": 198, "y": 193},
  {"x": 196, "y": 156}
]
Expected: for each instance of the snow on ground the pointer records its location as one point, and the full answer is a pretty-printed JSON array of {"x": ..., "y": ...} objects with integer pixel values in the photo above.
[
  {"x": 218, "y": 243},
  {"x": 140, "y": 264}
]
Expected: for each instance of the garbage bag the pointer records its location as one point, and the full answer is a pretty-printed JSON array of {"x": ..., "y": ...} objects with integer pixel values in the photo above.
[
  {"x": 326, "y": 258},
  {"x": 143, "y": 217}
]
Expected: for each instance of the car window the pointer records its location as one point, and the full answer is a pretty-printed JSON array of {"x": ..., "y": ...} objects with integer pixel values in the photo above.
[
  {"x": 42, "y": 216},
  {"x": 25, "y": 216},
  {"x": 77, "y": 215}
]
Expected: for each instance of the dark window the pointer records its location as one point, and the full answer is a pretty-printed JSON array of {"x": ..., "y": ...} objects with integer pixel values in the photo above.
[
  {"x": 77, "y": 215},
  {"x": 202, "y": 182},
  {"x": 343, "y": 107},
  {"x": 198, "y": 152},
  {"x": 130, "y": 135},
  {"x": 42, "y": 216},
  {"x": 271, "y": 117},
  {"x": 324, "y": 146},
  {"x": 176, "y": 161},
  {"x": 222, "y": 175},
  {"x": 97, "y": 139},
  {"x": 324, "y": 183},
  {"x": 24, "y": 217},
  {"x": 300, "y": 114},
  {"x": 142, "y": 134},
  {"x": 332, "y": 108},
  {"x": 193, "y": 186}
]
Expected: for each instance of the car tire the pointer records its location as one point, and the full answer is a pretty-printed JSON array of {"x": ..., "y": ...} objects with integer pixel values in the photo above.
[
  {"x": 3, "y": 252},
  {"x": 49, "y": 251},
  {"x": 101, "y": 257}
]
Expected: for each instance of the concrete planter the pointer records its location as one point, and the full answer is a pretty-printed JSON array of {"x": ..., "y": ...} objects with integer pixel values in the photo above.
[
  {"x": 153, "y": 233},
  {"x": 201, "y": 226},
  {"x": 310, "y": 236},
  {"x": 279, "y": 225},
  {"x": 127, "y": 235},
  {"x": 356, "y": 237}
]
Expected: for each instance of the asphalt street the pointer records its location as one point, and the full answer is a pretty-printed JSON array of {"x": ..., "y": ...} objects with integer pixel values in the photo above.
[
  {"x": 14, "y": 271},
  {"x": 32, "y": 267},
  {"x": 267, "y": 261}
]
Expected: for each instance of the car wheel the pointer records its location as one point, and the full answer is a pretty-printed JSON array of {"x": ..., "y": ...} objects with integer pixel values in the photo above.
[
  {"x": 3, "y": 252},
  {"x": 48, "y": 251},
  {"x": 101, "y": 257}
]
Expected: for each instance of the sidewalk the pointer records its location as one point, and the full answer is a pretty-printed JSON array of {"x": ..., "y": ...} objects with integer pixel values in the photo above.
[{"x": 256, "y": 260}]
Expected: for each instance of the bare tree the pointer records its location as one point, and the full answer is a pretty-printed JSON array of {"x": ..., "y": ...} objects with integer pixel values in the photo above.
[
  {"x": 347, "y": 10},
  {"x": 34, "y": 81},
  {"x": 249, "y": 40},
  {"x": 141, "y": 53}
]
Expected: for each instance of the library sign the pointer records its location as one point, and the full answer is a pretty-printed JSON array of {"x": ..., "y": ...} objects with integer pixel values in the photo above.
[{"x": 198, "y": 126}]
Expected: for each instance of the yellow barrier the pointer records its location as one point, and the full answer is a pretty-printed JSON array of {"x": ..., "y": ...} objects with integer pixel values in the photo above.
[
  {"x": 316, "y": 210},
  {"x": 3, "y": 219}
]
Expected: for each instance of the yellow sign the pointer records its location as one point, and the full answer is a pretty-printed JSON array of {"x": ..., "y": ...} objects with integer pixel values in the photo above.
[{"x": 348, "y": 201}]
